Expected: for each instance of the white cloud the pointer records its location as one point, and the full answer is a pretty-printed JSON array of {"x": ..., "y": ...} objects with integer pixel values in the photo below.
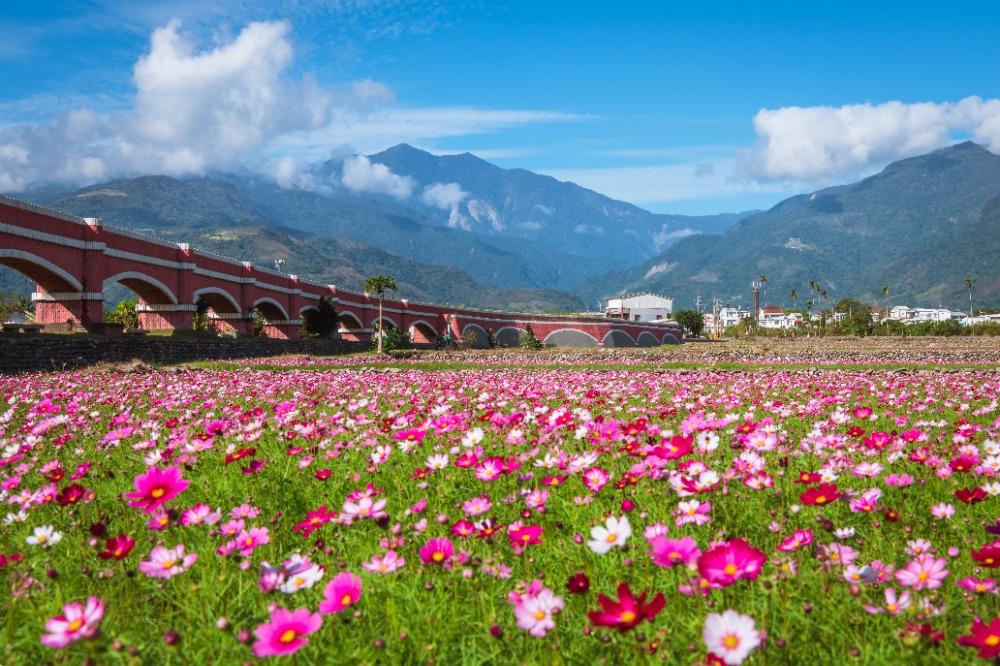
[
  {"x": 362, "y": 175},
  {"x": 447, "y": 196},
  {"x": 824, "y": 143},
  {"x": 234, "y": 104}
]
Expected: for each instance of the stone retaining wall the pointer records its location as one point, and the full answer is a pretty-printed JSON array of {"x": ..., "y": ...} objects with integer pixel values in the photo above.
[{"x": 25, "y": 353}]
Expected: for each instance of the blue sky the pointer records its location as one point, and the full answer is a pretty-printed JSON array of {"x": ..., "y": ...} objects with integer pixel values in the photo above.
[{"x": 678, "y": 107}]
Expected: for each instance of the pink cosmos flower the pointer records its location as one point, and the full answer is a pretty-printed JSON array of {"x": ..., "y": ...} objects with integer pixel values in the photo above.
[
  {"x": 867, "y": 503},
  {"x": 731, "y": 561},
  {"x": 78, "y": 621},
  {"x": 366, "y": 508},
  {"x": 477, "y": 505},
  {"x": 692, "y": 511},
  {"x": 943, "y": 511},
  {"x": 595, "y": 478},
  {"x": 284, "y": 633},
  {"x": 341, "y": 593},
  {"x": 200, "y": 514},
  {"x": 893, "y": 605},
  {"x": 391, "y": 562},
  {"x": 799, "y": 539},
  {"x": 535, "y": 608},
  {"x": 925, "y": 571},
  {"x": 672, "y": 552},
  {"x": 167, "y": 562},
  {"x": 437, "y": 551},
  {"x": 156, "y": 487},
  {"x": 984, "y": 586},
  {"x": 250, "y": 539}
]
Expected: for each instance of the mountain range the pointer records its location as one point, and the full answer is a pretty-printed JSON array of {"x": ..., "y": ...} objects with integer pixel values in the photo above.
[
  {"x": 919, "y": 227},
  {"x": 457, "y": 229}
]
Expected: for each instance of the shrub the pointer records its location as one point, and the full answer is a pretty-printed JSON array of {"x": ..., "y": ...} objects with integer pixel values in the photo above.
[
  {"x": 323, "y": 321},
  {"x": 528, "y": 340},
  {"x": 392, "y": 339}
]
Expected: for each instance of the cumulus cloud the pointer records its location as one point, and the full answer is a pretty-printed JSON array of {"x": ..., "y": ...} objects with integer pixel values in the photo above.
[
  {"x": 825, "y": 143},
  {"x": 233, "y": 104},
  {"x": 362, "y": 175}
]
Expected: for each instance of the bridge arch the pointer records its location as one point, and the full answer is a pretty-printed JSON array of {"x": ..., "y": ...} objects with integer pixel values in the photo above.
[
  {"x": 671, "y": 339},
  {"x": 387, "y": 322},
  {"x": 647, "y": 339},
  {"x": 482, "y": 337},
  {"x": 349, "y": 320},
  {"x": 46, "y": 274},
  {"x": 423, "y": 333},
  {"x": 220, "y": 300},
  {"x": 570, "y": 337},
  {"x": 271, "y": 309},
  {"x": 149, "y": 289},
  {"x": 508, "y": 336},
  {"x": 618, "y": 338}
]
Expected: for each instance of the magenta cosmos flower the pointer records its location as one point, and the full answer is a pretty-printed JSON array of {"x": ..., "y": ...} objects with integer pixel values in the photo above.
[
  {"x": 729, "y": 562},
  {"x": 437, "y": 551},
  {"x": 156, "y": 487},
  {"x": 285, "y": 632},
  {"x": 78, "y": 621},
  {"x": 341, "y": 593},
  {"x": 672, "y": 552}
]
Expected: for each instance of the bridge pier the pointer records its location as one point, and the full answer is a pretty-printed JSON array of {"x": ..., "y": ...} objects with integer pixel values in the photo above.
[
  {"x": 283, "y": 329},
  {"x": 166, "y": 317},
  {"x": 230, "y": 323},
  {"x": 69, "y": 309}
]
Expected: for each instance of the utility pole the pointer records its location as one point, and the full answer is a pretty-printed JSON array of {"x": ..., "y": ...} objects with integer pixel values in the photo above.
[{"x": 716, "y": 310}]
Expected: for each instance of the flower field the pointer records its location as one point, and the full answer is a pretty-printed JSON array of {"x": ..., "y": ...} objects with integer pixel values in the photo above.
[{"x": 501, "y": 515}]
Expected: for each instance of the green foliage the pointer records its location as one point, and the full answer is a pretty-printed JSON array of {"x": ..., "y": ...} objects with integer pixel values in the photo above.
[
  {"x": 470, "y": 338},
  {"x": 393, "y": 339},
  {"x": 692, "y": 321},
  {"x": 322, "y": 321},
  {"x": 527, "y": 339},
  {"x": 11, "y": 303},
  {"x": 857, "y": 317},
  {"x": 124, "y": 313},
  {"x": 377, "y": 285}
]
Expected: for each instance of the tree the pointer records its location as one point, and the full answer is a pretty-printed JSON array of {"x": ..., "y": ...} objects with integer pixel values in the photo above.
[
  {"x": 969, "y": 283},
  {"x": 124, "y": 313},
  {"x": 857, "y": 316},
  {"x": 692, "y": 321},
  {"x": 378, "y": 285},
  {"x": 885, "y": 294},
  {"x": 321, "y": 321}
]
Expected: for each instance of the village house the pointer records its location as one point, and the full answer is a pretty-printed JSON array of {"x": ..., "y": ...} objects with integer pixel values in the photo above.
[{"x": 640, "y": 307}]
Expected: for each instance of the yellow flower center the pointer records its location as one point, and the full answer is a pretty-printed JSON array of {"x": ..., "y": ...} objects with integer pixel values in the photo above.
[
  {"x": 539, "y": 615},
  {"x": 611, "y": 538},
  {"x": 157, "y": 493},
  {"x": 169, "y": 564},
  {"x": 438, "y": 556},
  {"x": 627, "y": 616},
  {"x": 821, "y": 499},
  {"x": 42, "y": 538},
  {"x": 75, "y": 624},
  {"x": 731, "y": 641},
  {"x": 288, "y": 636},
  {"x": 992, "y": 640},
  {"x": 922, "y": 575},
  {"x": 730, "y": 569},
  {"x": 346, "y": 600}
]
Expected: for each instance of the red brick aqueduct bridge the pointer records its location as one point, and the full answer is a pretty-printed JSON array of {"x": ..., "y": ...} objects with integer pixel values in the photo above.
[{"x": 73, "y": 259}]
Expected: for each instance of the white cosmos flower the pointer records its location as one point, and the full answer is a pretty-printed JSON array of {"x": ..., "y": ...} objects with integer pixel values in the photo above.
[
  {"x": 44, "y": 536},
  {"x": 302, "y": 580},
  {"x": 615, "y": 532},
  {"x": 473, "y": 437},
  {"x": 731, "y": 636}
]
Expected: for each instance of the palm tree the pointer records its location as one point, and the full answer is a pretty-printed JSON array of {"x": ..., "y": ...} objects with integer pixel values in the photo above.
[
  {"x": 378, "y": 285},
  {"x": 969, "y": 283}
]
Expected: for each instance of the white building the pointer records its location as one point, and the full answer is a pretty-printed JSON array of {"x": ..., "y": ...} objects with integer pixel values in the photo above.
[
  {"x": 980, "y": 319},
  {"x": 909, "y": 315},
  {"x": 773, "y": 316},
  {"x": 640, "y": 307}
]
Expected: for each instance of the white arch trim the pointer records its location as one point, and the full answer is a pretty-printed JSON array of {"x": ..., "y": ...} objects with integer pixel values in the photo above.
[
  {"x": 342, "y": 315},
  {"x": 307, "y": 307},
  {"x": 421, "y": 321},
  {"x": 575, "y": 330},
  {"x": 267, "y": 299},
  {"x": 611, "y": 333},
  {"x": 142, "y": 277},
  {"x": 44, "y": 263},
  {"x": 215, "y": 290},
  {"x": 383, "y": 317}
]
